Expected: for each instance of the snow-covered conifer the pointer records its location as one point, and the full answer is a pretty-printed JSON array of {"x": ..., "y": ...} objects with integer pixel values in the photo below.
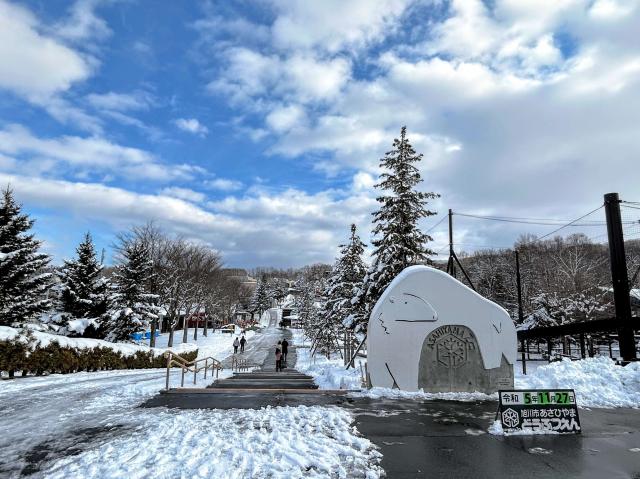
[
  {"x": 23, "y": 281},
  {"x": 398, "y": 241},
  {"x": 84, "y": 292},
  {"x": 134, "y": 306},
  {"x": 260, "y": 301},
  {"x": 345, "y": 281}
]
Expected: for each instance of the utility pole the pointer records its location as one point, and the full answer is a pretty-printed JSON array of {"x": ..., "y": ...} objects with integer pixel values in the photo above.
[
  {"x": 619, "y": 277},
  {"x": 453, "y": 259},
  {"x": 520, "y": 313},
  {"x": 451, "y": 268}
]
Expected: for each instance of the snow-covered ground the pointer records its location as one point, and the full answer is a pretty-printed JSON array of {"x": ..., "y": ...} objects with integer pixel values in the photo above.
[
  {"x": 598, "y": 381},
  {"x": 327, "y": 373},
  {"x": 88, "y": 425},
  {"x": 126, "y": 349},
  {"x": 216, "y": 344}
]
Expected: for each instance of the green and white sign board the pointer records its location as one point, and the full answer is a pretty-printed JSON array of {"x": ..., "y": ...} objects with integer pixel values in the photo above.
[{"x": 539, "y": 410}]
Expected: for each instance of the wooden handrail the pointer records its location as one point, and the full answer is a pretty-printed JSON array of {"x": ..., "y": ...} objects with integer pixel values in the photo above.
[{"x": 174, "y": 359}]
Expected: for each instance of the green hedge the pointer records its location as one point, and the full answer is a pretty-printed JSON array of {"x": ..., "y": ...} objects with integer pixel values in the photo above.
[{"x": 16, "y": 355}]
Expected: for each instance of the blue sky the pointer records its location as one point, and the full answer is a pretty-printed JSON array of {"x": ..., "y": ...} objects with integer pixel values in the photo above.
[{"x": 256, "y": 126}]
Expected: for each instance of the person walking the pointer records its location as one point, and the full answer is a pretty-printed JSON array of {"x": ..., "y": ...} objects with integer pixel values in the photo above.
[
  {"x": 279, "y": 357},
  {"x": 236, "y": 343},
  {"x": 285, "y": 350},
  {"x": 243, "y": 341}
]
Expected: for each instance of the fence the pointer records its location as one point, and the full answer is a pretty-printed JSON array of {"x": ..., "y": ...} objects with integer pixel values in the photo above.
[{"x": 523, "y": 277}]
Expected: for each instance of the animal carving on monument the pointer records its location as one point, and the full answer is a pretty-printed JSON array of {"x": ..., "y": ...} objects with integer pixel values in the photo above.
[{"x": 429, "y": 331}]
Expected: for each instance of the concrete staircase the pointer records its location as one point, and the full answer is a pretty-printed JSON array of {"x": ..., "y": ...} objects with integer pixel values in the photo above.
[
  {"x": 255, "y": 389},
  {"x": 266, "y": 381}
]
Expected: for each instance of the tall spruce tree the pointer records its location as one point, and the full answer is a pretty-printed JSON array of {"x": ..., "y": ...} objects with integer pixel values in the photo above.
[
  {"x": 345, "y": 280},
  {"x": 344, "y": 283},
  {"x": 398, "y": 242},
  {"x": 84, "y": 291},
  {"x": 23, "y": 282},
  {"x": 135, "y": 306},
  {"x": 261, "y": 301}
]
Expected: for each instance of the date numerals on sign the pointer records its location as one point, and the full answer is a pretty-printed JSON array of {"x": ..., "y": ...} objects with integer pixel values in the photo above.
[
  {"x": 538, "y": 410},
  {"x": 549, "y": 397}
]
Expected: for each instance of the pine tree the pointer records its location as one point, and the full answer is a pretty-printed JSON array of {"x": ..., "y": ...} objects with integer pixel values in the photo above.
[
  {"x": 398, "y": 242},
  {"x": 344, "y": 283},
  {"x": 345, "y": 280},
  {"x": 23, "y": 282},
  {"x": 84, "y": 291},
  {"x": 305, "y": 306},
  {"x": 135, "y": 307},
  {"x": 261, "y": 301}
]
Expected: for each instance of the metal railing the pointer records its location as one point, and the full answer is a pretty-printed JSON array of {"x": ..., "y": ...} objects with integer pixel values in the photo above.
[
  {"x": 174, "y": 359},
  {"x": 240, "y": 364}
]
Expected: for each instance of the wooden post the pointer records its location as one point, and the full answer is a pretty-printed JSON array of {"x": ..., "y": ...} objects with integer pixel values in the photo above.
[
  {"x": 168, "y": 369},
  {"x": 549, "y": 350},
  {"x": 524, "y": 356},
  {"x": 583, "y": 352},
  {"x": 619, "y": 276}
]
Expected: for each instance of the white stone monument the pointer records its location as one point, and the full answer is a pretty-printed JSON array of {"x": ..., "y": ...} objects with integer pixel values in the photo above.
[{"x": 429, "y": 331}]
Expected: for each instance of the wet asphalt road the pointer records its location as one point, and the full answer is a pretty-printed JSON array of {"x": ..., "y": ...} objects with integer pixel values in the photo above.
[{"x": 447, "y": 439}]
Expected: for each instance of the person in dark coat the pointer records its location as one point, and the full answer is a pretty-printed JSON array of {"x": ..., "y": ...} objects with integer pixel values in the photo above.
[
  {"x": 243, "y": 341},
  {"x": 285, "y": 350},
  {"x": 279, "y": 357}
]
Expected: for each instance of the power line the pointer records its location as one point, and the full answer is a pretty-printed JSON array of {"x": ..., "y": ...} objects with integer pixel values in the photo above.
[
  {"x": 570, "y": 223},
  {"x": 530, "y": 221},
  {"x": 441, "y": 220},
  {"x": 483, "y": 245}
]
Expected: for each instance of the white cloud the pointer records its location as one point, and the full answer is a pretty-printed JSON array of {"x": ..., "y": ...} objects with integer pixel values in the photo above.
[
  {"x": 191, "y": 125},
  {"x": 31, "y": 64},
  {"x": 138, "y": 100},
  {"x": 300, "y": 77},
  {"x": 184, "y": 194},
  {"x": 333, "y": 25},
  {"x": 363, "y": 181},
  {"x": 293, "y": 227},
  {"x": 83, "y": 24},
  {"x": 286, "y": 117},
  {"x": 223, "y": 184},
  {"x": 86, "y": 156}
]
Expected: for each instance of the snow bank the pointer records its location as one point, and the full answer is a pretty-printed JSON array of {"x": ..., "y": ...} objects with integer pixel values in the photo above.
[
  {"x": 326, "y": 373},
  {"x": 598, "y": 381},
  {"x": 289, "y": 442},
  {"x": 126, "y": 349}
]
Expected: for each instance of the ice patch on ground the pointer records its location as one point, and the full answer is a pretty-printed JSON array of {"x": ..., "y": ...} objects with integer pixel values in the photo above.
[
  {"x": 598, "y": 382},
  {"x": 388, "y": 393},
  {"x": 287, "y": 442}
]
